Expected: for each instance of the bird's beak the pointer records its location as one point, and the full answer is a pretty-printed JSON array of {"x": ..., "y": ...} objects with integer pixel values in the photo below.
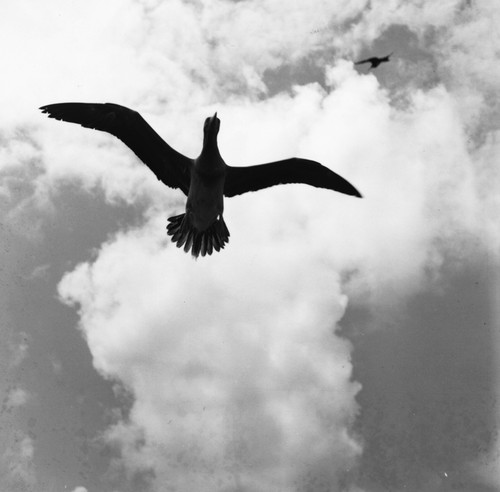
[
  {"x": 214, "y": 121},
  {"x": 212, "y": 125}
]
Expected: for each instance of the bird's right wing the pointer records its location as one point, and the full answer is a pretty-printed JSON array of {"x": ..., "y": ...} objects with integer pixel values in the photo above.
[
  {"x": 169, "y": 166},
  {"x": 252, "y": 178}
]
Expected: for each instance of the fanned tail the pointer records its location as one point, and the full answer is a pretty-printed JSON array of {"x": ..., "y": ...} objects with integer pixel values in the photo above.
[{"x": 199, "y": 242}]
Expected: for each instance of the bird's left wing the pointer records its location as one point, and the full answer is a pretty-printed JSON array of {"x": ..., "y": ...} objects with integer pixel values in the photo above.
[
  {"x": 170, "y": 166},
  {"x": 252, "y": 178},
  {"x": 366, "y": 60}
]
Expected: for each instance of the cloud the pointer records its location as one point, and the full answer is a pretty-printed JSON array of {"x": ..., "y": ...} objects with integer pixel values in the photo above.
[
  {"x": 240, "y": 375},
  {"x": 80, "y": 489},
  {"x": 220, "y": 360},
  {"x": 16, "y": 397},
  {"x": 177, "y": 44},
  {"x": 18, "y": 350},
  {"x": 16, "y": 464}
]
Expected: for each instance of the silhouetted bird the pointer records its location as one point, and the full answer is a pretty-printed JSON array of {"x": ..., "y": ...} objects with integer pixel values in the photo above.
[
  {"x": 374, "y": 60},
  {"x": 204, "y": 180}
]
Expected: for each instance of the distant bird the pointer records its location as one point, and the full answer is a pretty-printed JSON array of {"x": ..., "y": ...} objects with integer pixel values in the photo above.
[
  {"x": 204, "y": 180},
  {"x": 375, "y": 60}
]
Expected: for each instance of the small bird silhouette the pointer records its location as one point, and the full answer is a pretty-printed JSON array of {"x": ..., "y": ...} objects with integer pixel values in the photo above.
[
  {"x": 375, "y": 61},
  {"x": 205, "y": 180}
]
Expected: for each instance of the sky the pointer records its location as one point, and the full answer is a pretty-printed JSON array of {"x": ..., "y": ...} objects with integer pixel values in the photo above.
[{"x": 336, "y": 344}]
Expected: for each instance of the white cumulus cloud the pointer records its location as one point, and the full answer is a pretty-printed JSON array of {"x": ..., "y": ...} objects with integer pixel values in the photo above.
[{"x": 234, "y": 364}]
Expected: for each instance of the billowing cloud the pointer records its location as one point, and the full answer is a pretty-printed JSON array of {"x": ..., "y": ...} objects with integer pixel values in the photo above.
[{"x": 220, "y": 359}]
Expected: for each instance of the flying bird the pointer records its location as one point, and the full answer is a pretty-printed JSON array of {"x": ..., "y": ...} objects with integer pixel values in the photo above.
[
  {"x": 205, "y": 180},
  {"x": 374, "y": 60}
]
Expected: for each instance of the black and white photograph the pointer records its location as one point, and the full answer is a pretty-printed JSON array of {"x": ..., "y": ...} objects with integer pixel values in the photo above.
[{"x": 249, "y": 246}]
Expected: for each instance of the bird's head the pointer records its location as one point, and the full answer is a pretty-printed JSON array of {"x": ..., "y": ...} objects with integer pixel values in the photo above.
[{"x": 211, "y": 129}]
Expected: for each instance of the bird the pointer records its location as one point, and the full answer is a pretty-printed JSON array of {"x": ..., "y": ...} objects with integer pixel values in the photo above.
[
  {"x": 375, "y": 60},
  {"x": 205, "y": 180}
]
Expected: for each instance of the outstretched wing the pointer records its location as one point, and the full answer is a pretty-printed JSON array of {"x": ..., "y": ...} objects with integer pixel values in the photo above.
[
  {"x": 252, "y": 178},
  {"x": 367, "y": 60},
  {"x": 170, "y": 167}
]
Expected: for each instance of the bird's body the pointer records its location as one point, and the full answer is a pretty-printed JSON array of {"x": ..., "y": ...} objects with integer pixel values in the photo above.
[
  {"x": 205, "y": 201},
  {"x": 202, "y": 228},
  {"x": 204, "y": 180},
  {"x": 374, "y": 61}
]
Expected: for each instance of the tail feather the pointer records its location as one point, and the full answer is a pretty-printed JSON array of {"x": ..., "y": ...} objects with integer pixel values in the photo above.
[
  {"x": 225, "y": 230},
  {"x": 208, "y": 247},
  {"x": 216, "y": 243},
  {"x": 199, "y": 242},
  {"x": 189, "y": 238},
  {"x": 176, "y": 228},
  {"x": 196, "y": 247},
  {"x": 204, "y": 244}
]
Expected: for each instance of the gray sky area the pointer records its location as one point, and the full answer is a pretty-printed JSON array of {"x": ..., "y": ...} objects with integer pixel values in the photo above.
[{"x": 336, "y": 344}]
